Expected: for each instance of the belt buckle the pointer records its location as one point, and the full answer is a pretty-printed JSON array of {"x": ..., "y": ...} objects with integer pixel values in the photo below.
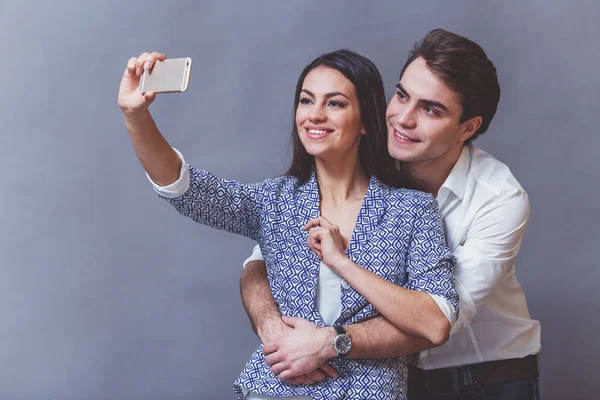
[{"x": 455, "y": 386}]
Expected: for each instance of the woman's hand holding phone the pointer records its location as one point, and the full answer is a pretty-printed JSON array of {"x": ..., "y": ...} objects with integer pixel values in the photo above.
[
  {"x": 157, "y": 157},
  {"x": 130, "y": 99}
]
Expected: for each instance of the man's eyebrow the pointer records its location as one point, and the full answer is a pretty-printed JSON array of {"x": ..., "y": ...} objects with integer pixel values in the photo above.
[
  {"x": 401, "y": 88},
  {"x": 328, "y": 95},
  {"x": 433, "y": 103},
  {"x": 425, "y": 102}
]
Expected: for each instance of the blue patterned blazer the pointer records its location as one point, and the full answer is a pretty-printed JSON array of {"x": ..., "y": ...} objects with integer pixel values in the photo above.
[{"x": 398, "y": 236}]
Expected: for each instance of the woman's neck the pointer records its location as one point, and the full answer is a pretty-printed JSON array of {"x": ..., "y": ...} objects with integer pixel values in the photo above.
[{"x": 338, "y": 182}]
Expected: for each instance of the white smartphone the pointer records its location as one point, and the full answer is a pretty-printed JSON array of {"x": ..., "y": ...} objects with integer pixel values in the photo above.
[{"x": 168, "y": 76}]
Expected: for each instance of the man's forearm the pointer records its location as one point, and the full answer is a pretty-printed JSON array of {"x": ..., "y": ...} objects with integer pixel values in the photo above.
[
  {"x": 379, "y": 338},
  {"x": 375, "y": 338},
  {"x": 258, "y": 300}
]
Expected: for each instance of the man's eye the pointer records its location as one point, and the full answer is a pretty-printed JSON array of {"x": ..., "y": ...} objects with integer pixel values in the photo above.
[
  {"x": 430, "y": 111},
  {"x": 400, "y": 95}
]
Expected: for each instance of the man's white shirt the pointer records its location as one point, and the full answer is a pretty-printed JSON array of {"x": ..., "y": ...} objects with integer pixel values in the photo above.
[{"x": 485, "y": 212}]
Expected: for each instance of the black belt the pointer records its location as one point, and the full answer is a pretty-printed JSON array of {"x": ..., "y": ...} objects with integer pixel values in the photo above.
[{"x": 473, "y": 376}]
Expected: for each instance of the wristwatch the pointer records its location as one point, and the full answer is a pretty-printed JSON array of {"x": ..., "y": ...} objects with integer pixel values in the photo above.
[{"x": 341, "y": 342}]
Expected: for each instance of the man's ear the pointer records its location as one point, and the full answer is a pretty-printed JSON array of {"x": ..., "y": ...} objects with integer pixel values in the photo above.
[{"x": 469, "y": 128}]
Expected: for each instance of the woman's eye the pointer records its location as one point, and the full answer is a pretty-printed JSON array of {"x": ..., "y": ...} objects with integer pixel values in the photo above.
[
  {"x": 304, "y": 100},
  {"x": 336, "y": 103},
  {"x": 400, "y": 95}
]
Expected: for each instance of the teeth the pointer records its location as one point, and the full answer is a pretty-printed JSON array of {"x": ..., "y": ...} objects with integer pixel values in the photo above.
[
  {"x": 317, "y": 132},
  {"x": 405, "y": 138}
]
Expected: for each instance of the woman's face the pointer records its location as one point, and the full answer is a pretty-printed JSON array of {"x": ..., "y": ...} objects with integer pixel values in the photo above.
[{"x": 328, "y": 115}]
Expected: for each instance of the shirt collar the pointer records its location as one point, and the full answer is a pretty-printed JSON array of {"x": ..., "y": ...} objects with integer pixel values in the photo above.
[{"x": 457, "y": 179}]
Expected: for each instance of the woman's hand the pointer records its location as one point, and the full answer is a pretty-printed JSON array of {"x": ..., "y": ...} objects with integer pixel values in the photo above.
[
  {"x": 130, "y": 98},
  {"x": 326, "y": 241},
  {"x": 159, "y": 160}
]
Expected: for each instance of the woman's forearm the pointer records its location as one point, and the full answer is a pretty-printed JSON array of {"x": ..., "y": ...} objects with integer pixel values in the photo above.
[
  {"x": 158, "y": 158},
  {"x": 412, "y": 311}
]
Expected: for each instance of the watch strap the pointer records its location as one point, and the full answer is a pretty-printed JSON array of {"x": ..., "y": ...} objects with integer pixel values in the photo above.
[{"x": 339, "y": 330}]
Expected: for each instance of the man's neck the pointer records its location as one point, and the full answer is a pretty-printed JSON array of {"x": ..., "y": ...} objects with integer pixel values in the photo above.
[{"x": 430, "y": 175}]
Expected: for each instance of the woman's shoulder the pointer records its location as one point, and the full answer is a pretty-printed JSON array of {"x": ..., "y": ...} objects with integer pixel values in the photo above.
[
  {"x": 405, "y": 195},
  {"x": 282, "y": 184}
]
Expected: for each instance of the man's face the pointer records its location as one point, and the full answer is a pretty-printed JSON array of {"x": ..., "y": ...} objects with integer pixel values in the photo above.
[{"x": 423, "y": 117}]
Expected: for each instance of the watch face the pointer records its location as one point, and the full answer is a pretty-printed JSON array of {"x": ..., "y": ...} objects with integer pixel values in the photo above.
[{"x": 342, "y": 344}]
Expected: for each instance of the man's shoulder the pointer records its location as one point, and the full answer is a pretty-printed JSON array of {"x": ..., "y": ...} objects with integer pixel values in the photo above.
[
  {"x": 489, "y": 176},
  {"x": 493, "y": 192}
]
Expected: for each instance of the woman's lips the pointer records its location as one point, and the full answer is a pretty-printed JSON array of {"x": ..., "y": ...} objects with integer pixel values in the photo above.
[{"x": 317, "y": 133}]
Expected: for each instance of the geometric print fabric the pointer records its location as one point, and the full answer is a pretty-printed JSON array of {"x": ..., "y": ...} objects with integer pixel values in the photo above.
[{"x": 398, "y": 235}]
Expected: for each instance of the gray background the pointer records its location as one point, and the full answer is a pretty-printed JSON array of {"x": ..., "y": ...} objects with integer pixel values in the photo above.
[{"x": 107, "y": 293}]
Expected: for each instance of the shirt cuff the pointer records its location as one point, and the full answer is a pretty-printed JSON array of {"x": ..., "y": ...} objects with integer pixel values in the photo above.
[
  {"x": 256, "y": 256},
  {"x": 446, "y": 308},
  {"x": 177, "y": 188},
  {"x": 466, "y": 306}
]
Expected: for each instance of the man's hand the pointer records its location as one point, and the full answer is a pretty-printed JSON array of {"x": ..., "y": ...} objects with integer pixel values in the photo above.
[
  {"x": 272, "y": 330},
  {"x": 302, "y": 352},
  {"x": 265, "y": 317}
]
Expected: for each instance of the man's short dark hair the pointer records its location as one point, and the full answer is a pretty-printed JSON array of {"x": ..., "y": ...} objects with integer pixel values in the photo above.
[{"x": 465, "y": 68}]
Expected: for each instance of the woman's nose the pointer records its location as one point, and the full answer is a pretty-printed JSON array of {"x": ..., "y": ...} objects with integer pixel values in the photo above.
[{"x": 317, "y": 114}]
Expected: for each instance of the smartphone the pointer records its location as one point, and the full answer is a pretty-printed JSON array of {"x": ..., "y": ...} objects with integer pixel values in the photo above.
[{"x": 168, "y": 76}]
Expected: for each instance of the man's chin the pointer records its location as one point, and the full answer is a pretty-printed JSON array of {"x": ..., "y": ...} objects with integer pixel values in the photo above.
[{"x": 404, "y": 155}]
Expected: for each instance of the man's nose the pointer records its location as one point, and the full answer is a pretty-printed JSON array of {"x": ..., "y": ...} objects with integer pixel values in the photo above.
[{"x": 406, "y": 118}]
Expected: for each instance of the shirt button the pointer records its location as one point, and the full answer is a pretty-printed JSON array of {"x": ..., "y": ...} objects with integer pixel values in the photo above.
[{"x": 345, "y": 284}]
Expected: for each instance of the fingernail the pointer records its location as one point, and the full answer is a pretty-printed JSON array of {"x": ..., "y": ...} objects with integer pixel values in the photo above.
[{"x": 147, "y": 65}]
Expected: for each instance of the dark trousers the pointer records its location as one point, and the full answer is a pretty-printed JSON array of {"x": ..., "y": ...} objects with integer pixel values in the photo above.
[
  {"x": 515, "y": 379},
  {"x": 524, "y": 389}
]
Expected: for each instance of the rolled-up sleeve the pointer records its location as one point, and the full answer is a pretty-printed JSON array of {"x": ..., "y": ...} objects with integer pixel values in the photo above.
[
  {"x": 177, "y": 188},
  {"x": 492, "y": 243},
  {"x": 430, "y": 261},
  {"x": 255, "y": 256}
]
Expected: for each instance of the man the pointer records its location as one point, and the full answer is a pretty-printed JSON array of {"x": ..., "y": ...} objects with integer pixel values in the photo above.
[{"x": 446, "y": 97}]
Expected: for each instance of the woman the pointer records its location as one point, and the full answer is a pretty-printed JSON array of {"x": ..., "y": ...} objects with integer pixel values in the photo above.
[{"x": 339, "y": 188}]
